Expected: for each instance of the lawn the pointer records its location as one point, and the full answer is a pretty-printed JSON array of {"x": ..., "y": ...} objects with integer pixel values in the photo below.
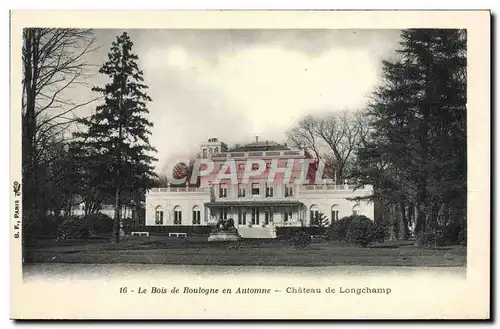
[{"x": 197, "y": 251}]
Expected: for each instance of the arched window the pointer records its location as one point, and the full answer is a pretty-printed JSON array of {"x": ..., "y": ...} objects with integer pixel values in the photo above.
[
  {"x": 196, "y": 215},
  {"x": 355, "y": 210},
  {"x": 159, "y": 215},
  {"x": 314, "y": 213},
  {"x": 216, "y": 149},
  {"x": 177, "y": 215},
  {"x": 335, "y": 212}
]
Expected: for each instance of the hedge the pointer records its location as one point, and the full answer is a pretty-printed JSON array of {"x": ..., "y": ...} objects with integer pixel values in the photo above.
[
  {"x": 190, "y": 230},
  {"x": 285, "y": 232}
]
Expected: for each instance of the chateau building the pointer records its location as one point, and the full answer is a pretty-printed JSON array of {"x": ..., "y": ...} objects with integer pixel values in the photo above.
[{"x": 261, "y": 185}]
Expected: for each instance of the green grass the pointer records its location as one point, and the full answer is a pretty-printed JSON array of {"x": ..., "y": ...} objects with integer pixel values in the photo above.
[{"x": 197, "y": 251}]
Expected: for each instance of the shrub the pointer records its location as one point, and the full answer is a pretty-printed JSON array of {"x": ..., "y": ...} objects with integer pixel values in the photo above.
[
  {"x": 320, "y": 220},
  {"x": 455, "y": 231},
  {"x": 130, "y": 225},
  {"x": 300, "y": 239},
  {"x": 451, "y": 232},
  {"x": 286, "y": 232},
  {"x": 357, "y": 230},
  {"x": 462, "y": 235},
  {"x": 338, "y": 229},
  {"x": 164, "y": 230},
  {"x": 88, "y": 225},
  {"x": 44, "y": 226},
  {"x": 361, "y": 230},
  {"x": 434, "y": 238},
  {"x": 98, "y": 223},
  {"x": 379, "y": 233},
  {"x": 73, "y": 227}
]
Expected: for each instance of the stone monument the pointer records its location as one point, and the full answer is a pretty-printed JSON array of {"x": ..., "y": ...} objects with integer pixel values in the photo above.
[{"x": 224, "y": 231}]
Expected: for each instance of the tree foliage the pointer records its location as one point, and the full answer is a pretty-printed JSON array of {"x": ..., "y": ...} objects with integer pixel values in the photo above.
[
  {"x": 53, "y": 61},
  {"x": 320, "y": 220},
  {"x": 415, "y": 155},
  {"x": 115, "y": 144}
]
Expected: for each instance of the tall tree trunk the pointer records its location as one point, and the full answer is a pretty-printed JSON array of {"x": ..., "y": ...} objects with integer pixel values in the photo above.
[
  {"x": 117, "y": 221},
  {"x": 392, "y": 222},
  {"x": 404, "y": 230},
  {"x": 420, "y": 224},
  {"x": 117, "y": 214}
]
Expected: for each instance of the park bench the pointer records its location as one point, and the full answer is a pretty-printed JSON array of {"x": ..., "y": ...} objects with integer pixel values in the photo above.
[
  {"x": 177, "y": 235},
  {"x": 139, "y": 233}
]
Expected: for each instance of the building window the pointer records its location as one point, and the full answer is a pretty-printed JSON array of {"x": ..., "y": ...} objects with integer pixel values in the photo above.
[
  {"x": 335, "y": 213},
  {"x": 288, "y": 190},
  {"x": 355, "y": 210},
  {"x": 314, "y": 213},
  {"x": 177, "y": 215},
  {"x": 216, "y": 150},
  {"x": 223, "y": 213},
  {"x": 222, "y": 191},
  {"x": 269, "y": 190},
  {"x": 242, "y": 218},
  {"x": 204, "y": 153},
  {"x": 255, "y": 216},
  {"x": 196, "y": 215},
  {"x": 268, "y": 217},
  {"x": 159, "y": 216},
  {"x": 255, "y": 189},
  {"x": 287, "y": 216},
  {"x": 241, "y": 190}
]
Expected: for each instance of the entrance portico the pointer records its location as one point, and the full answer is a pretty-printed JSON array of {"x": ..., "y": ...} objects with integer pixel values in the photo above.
[{"x": 258, "y": 213}]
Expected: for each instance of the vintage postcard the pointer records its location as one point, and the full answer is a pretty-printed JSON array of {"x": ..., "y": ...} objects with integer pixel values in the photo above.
[{"x": 250, "y": 165}]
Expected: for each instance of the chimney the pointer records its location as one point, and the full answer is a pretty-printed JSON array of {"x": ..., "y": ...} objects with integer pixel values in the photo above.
[{"x": 256, "y": 139}]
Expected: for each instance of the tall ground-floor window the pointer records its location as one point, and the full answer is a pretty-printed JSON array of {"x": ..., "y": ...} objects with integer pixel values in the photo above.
[
  {"x": 335, "y": 213},
  {"x": 268, "y": 217},
  {"x": 287, "y": 216},
  {"x": 196, "y": 215},
  {"x": 159, "y": 216},
  {"x": 255, "y": 216},
  {"x": 314, "y": 213},
  {"x": 242, "y": 217},
  {"x": 355, "y": 210},
  {"x": 177, "y": 215},
  {"x": 223, "y": 213}
]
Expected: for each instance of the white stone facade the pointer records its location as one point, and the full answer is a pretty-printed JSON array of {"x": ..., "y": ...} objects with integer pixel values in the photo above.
[
  {"x": 258, "y": 202},
  {"x": 331, "y": 200}
]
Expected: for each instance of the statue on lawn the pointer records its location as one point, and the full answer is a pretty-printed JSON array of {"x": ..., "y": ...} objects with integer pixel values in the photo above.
[
  {"x": 225, "y": 225},
  {"x": 224, "y": 230}
]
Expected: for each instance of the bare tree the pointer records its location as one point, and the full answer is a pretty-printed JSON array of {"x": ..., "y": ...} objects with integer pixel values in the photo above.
[
  {"x": 332, "y": 138},
  {"x": 303, "y": 137},
  {"x": 53, "y": 61}
]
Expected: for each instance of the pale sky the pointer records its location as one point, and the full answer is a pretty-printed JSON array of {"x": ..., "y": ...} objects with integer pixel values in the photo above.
[{"x": 236, "y": 84}]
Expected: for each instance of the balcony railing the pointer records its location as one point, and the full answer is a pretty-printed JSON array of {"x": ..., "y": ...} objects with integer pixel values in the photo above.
[
  {"x": 319, "y": 187},
  {"x": 251, "y": 154},
  {"x": 180, "y": 189},
  {"x": 313, "y": 187}
]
